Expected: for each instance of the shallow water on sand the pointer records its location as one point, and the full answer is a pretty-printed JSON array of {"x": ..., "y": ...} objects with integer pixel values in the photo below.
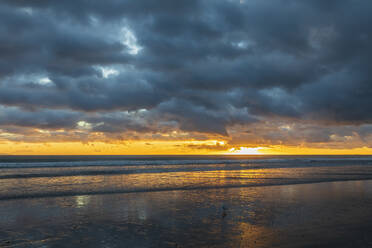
[
  {"x": 332, "y": 214},
  {"x": 192, "y": 201}
]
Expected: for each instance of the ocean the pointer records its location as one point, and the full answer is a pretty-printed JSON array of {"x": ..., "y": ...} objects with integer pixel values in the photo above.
[
  {"x": 185, "y": 201},
  {"x": 48, "y": 176}
]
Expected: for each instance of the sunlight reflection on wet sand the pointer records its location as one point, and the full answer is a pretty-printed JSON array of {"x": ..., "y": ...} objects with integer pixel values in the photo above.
[
  {"x": 95, "y": 184},
  {"x": 333, "y": 214}
]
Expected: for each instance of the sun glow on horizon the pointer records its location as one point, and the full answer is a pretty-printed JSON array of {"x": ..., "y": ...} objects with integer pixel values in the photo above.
[
  {"x": 246, "y": 151},
  {"x": 158, "y": 147}
]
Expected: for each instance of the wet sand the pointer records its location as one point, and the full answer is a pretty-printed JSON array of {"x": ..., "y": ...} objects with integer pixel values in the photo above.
[{"x": 331, "y": 214}]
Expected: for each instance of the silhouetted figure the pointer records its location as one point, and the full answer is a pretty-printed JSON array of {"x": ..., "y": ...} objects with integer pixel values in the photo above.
[{"x": 224, "y": 211}]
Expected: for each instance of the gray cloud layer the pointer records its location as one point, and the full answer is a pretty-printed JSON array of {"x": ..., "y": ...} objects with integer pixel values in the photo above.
[{"x": 199, "y": 66}]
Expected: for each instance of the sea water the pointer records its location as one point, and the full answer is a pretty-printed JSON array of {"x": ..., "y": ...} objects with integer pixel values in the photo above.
[{"x": 48, "y": 176}]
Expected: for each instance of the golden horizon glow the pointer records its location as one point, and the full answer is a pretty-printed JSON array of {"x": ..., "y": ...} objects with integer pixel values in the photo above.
[
  {"x": 191, "y": 147},
  {"x": 246, "y": 151}
]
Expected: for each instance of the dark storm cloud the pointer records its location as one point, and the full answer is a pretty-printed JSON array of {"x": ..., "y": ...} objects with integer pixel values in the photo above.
[
  {"x": 205, "y": 65},
  {"x": 48, "y": 119}
]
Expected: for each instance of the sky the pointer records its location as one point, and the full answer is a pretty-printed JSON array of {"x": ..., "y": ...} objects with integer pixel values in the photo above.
[{"x": 185, "y": 77}]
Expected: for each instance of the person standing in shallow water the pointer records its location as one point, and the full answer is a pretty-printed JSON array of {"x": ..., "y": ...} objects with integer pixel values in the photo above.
[{"x": 224, "y": 211}]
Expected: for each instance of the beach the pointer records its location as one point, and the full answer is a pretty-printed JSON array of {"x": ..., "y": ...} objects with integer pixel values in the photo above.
[
  {"x": 335, "y": 214},
  {"x": 185, "y": 124},
  {"x": 131, "y": 210}
]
